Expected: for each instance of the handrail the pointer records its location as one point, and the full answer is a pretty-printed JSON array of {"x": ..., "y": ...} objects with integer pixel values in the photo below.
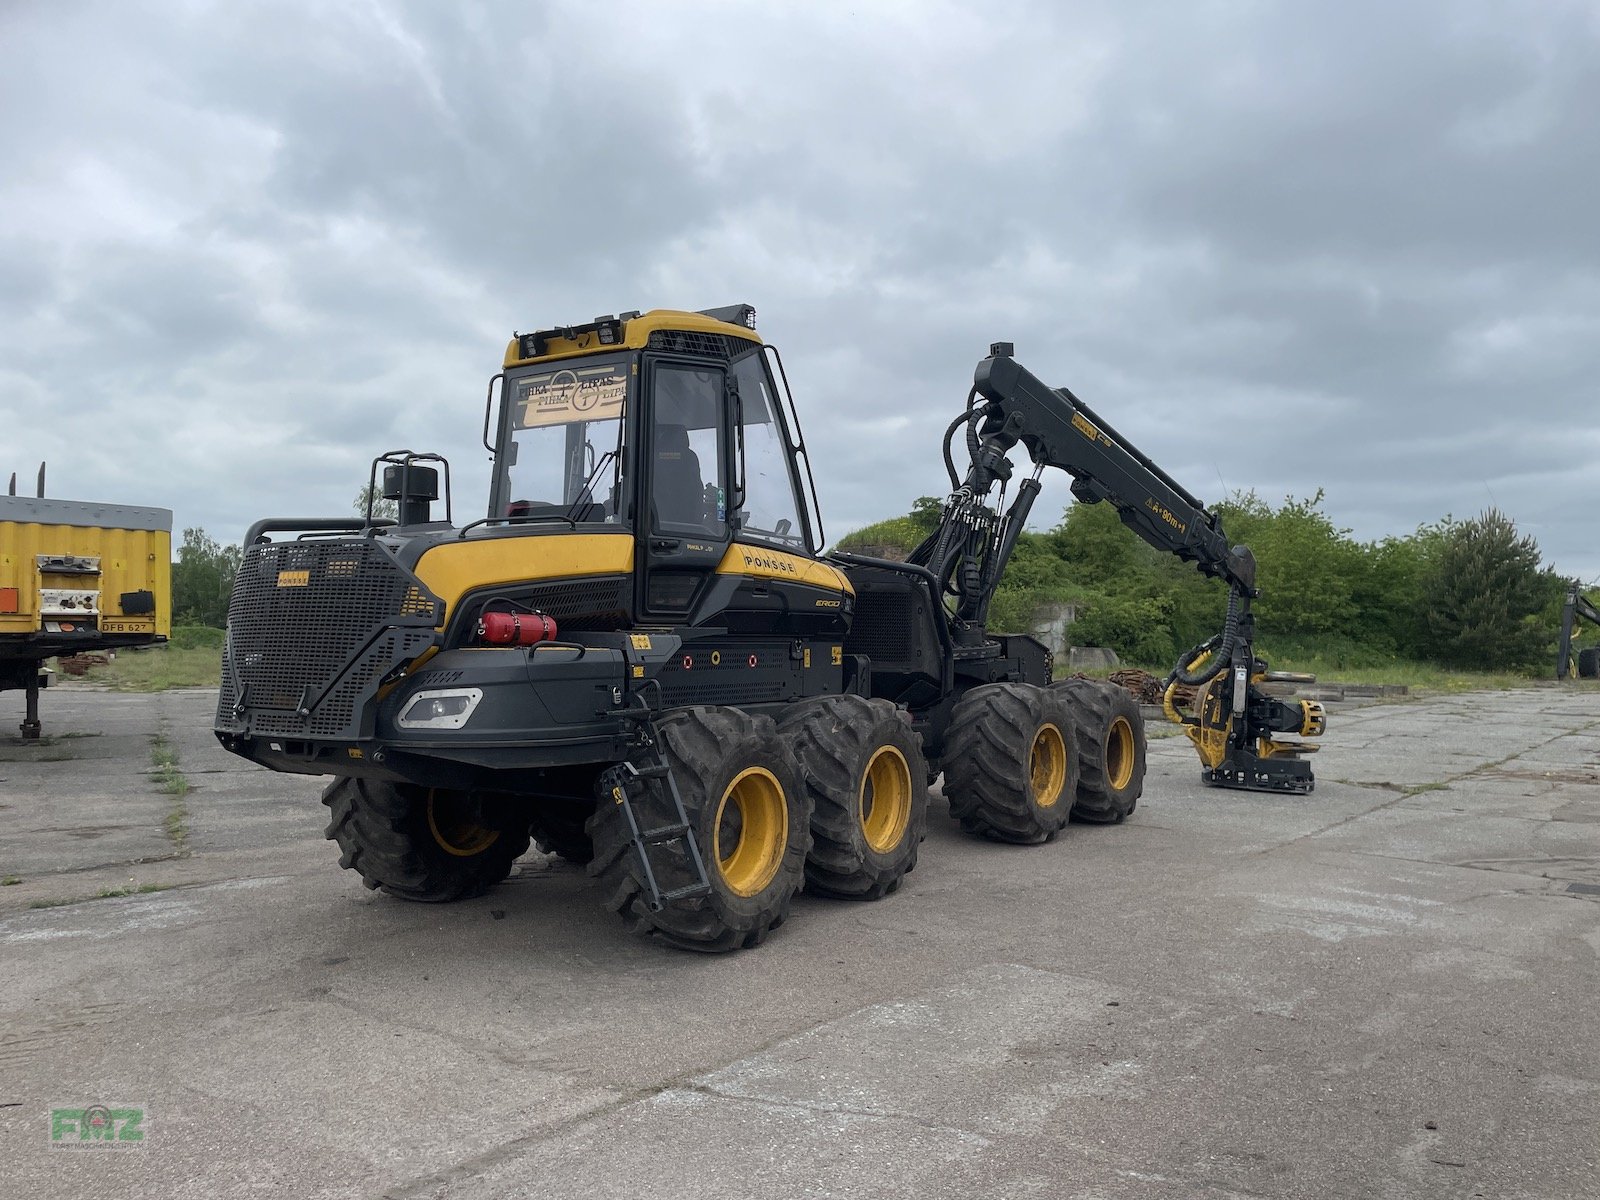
[{"x": 313, "y": 525}]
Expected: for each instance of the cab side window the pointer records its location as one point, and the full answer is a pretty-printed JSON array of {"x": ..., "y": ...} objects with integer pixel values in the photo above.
[
  {"x": 770, "y": 507},
  {"x": 688, "y": 490}
]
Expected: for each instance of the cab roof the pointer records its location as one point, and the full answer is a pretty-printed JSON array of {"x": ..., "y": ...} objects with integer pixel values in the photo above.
[{"x": 633, "y": 331}]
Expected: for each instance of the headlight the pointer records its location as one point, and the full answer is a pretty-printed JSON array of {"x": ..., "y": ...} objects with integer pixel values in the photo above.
[{"x": 445, "y": 708}]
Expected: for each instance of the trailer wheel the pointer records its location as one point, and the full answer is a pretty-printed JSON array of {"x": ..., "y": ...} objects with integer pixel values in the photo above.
[
  {"x": 1111, "y": 749},
  {"x": 750, "y": 819},
  {"x": 862, "y": 769},
  {"x": 425, "y": 844},
  {"x": 1010, "y": 765},
  {"x": 1589, "y": 662}
]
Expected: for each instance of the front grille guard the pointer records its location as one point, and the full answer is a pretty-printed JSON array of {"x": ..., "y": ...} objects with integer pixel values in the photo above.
[
  {"x": 300, "y": 661},
  {"x": 383, "y": 651}
]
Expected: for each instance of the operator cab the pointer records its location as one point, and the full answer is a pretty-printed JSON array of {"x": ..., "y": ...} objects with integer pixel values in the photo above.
[{"x": 669, "y": 426}]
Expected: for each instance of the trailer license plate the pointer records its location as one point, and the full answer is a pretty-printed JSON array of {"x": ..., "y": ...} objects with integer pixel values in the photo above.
[{"x": 112, "y": 625}]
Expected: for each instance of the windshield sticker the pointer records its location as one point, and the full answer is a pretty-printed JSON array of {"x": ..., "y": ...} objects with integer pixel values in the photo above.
[{"x": 571, "y": 394}]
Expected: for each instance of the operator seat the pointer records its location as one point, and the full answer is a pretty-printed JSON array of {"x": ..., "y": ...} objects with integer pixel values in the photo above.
[{"x": 678, "y": 490}]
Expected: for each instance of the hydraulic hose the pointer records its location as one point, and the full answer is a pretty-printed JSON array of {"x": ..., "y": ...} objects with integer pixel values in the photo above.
[
  {"x": 949, "y": 459},
  {"x": 972, "y": 440},
  {"x": 1169, "y": 707},
  {"x": 1221, "y": 646}
]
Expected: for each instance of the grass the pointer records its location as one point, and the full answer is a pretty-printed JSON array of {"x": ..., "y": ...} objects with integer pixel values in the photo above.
[
  {"x": 160, "y": 668},
  {"x": 140, "y": 889},
  {"x": 1421, "y": 678},
  {"x": 171, "y": 780},
  {"x": 191, "y": 658},
  {"x": 1418, "y": 789},
  {"x": 10, "y": 881}
]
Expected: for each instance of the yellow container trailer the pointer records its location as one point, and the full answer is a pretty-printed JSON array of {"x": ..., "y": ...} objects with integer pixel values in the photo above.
[{"x": 78, "y": 576}]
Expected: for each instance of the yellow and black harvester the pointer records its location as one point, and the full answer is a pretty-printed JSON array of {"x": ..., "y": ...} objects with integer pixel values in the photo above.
[{"x": 641, "y": 658}]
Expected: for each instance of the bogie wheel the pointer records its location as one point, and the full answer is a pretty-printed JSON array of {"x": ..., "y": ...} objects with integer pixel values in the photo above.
[
  {"x": 1589, "y": 662},
  {"x": 1010, "y": 766},
  {"x": 1111, "y": 749},
  {"x": 426, "y": 844},
  {"x": 561, "y": 831},
  {"x": 862, "y": 769},
  {"x": 750, "y": 819}
]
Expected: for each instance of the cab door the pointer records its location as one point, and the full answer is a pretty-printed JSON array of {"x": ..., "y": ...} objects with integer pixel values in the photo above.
[{"x": 683, "y": 518}]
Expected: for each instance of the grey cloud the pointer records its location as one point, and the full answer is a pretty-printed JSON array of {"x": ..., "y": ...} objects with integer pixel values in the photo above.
[{"x": 1281, "y": 248}]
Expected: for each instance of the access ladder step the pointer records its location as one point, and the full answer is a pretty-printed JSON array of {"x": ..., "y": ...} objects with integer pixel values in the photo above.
[
  {"x": 663, "y": 834},
  {"x": 690, "y": 891},
  {"x": 629, "y": 783}
]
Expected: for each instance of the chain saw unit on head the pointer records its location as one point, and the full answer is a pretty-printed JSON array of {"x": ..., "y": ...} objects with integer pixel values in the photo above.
[{"x": 641, "y": 657}]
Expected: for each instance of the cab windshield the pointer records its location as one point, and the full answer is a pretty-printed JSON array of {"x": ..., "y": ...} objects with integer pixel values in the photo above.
[{"x": 564, "y": 442}]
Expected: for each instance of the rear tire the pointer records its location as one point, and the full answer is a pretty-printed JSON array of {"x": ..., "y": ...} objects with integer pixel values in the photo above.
[
  {"x": 862, "y": 770},
  {"x": 423, "y": 844},
  {"x": 750, "y": 819},
  {"x": 1111, "y": 749},
  {"x": 1010, "y": 765},
  {"x": 1589, "y": 662}
]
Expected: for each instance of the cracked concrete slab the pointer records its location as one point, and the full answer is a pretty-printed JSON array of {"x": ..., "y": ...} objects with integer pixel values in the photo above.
[{"x": 1382, "y": 989}]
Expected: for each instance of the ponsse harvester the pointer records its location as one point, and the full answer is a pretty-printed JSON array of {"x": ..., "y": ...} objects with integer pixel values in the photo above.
[{"x": 640, "y": 658}]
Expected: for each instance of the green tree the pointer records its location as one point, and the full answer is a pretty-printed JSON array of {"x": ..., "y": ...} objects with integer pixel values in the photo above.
[
  {"x": 1138, "y": 628},
  {"x": 1304, "y": 564},
  {"x": 1098, "y": 547},
  {"x": 381, "y": 508},
  {"x": 1145, "y": 604},
  {"x": 1034, "y": 576},
  {"x": 202, "y": 579},
  {"x": 1387, "y": 589},
  {"x": 1485, "y": 596},
  {"x": 926, "y": 513}
]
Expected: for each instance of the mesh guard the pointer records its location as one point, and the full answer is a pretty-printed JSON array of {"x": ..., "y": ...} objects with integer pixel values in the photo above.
[{"x": 314, "y": 627}]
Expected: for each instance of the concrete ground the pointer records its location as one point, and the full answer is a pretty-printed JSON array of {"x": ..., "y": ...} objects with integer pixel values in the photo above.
[{"x": 1387, "y": 989}]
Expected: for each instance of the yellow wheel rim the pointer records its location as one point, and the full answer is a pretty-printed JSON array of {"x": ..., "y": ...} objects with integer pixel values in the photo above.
[
  {"x": 751, "y": 831},
  {"x": 1047, "y": 764},
  {"x": 454, "y": 831},
  {"x": 1121, "y": 753},
  {"x": 885, "y": 801}
]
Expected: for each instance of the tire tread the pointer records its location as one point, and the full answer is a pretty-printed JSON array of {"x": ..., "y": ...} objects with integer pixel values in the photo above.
[
  {"x": 986, "y": 763},
  {"x": 383, "y": 837}
]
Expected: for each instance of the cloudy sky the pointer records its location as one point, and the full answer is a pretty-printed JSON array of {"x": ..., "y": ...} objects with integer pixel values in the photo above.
[{"x": 245, "y": 247}]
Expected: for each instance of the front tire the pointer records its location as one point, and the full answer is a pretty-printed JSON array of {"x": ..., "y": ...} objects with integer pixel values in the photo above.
[
  {"x": 425, "y": 844},
  {"x": 1011, "y": 766},
  {"x": 750, "y": 820},
  {"x": 862, "y": 769}
]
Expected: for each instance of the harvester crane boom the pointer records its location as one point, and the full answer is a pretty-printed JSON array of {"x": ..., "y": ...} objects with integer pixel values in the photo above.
[
  {"x": 1059, "y": 430},
  {"x": 1577, "y": 607},
  {"x": 1008, "y": 406}
]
